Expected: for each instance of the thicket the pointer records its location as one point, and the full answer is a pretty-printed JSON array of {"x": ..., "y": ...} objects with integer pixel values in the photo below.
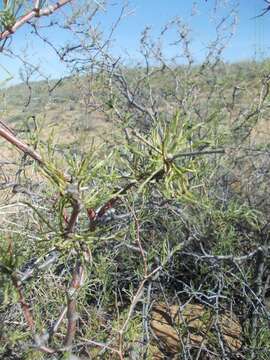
[{"x": 150, "y": 244}]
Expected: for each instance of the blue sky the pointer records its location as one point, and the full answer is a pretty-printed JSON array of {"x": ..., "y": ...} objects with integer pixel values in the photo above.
[{"x": 250, "y": 41}]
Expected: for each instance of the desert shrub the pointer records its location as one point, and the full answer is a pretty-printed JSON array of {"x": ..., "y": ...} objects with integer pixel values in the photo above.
[{"x": 169, "y": 211}]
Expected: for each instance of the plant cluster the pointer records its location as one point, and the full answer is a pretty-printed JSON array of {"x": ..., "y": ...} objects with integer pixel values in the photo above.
[{"x": 152, "y": 243}]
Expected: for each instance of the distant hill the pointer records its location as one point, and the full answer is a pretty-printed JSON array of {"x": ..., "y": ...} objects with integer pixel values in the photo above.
[{"x": 66, "y": 105}]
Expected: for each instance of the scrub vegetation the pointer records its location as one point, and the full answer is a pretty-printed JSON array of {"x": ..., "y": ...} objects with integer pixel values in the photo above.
[{"x": 134, "y": 199}]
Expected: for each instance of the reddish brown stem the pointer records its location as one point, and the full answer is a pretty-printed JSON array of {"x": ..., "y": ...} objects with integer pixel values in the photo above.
[
  {"x": 72, "y": 322},
  {"x": 12, "y": 139},
  {"x": 25, "y": 307},
  {"x": 73, "y": 218},
  {"x": 110, "y": 203},
  {"x": 77, "y": 279},
  {"x": 31, "y": 14}
]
